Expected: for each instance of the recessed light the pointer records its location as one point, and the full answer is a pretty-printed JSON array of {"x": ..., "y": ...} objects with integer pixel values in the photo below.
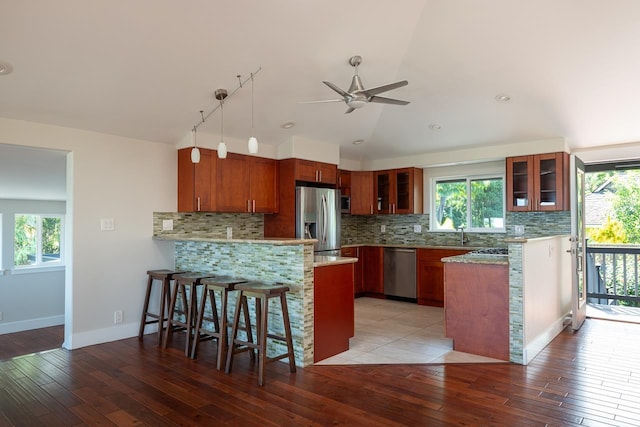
[
  {"x": 503, "y": 98},
  {"x": 435, "y": 127},
  {"x": 358, "y": 141},
  {"x": 5, "y": 68},
  {"x": 287, "y": 125}
]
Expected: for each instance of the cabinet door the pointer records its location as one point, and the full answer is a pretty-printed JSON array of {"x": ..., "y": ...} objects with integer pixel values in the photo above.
[
  {"x": 520, "y": 186},
  {"x": 372, "y": 276},
  {"x": 263, "y": 197},
  {"x": 548, "y": 182},
  {"x": 430, "y": 275},
  {"x": 344, "y": 182},
  {"x": 355, "y": 252},
  {"x": 327, "y": 173},
  {"x": 196, "y": 182},
  {"x": 361, "y": 193},
  {"x": 408, "y": 191},
  {"x": 384, "y": 190},
  {"x": 232, "y": 186},
  {"x": 306, "y": 170}
]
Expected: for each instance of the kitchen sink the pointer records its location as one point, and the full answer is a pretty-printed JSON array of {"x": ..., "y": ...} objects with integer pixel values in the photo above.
[{"x": 491, "y": 251}]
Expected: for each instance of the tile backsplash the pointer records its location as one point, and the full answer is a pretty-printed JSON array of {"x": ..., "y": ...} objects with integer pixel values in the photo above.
[{"x": 399, "y": 229}]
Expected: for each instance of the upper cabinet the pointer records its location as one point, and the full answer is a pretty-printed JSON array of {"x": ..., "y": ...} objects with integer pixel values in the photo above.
[
  {"x": 196, "y": 181},
  {"x": 538, "y": 183},
  {"x": 309, "y": 171},
  {"x": 238, "y": 183},
  {"x": 361, "y": 193},
  {"x": 246, "y": 184},
  {"x": 344, "y": 182},
  {"x": 398, "y": 191}
]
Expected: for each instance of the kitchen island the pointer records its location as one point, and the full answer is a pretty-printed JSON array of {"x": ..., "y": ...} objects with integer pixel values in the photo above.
[{"x": 284, "y": 261}]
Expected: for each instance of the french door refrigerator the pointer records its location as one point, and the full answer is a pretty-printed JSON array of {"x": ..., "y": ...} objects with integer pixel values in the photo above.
[{"x": 318, "y": 217}]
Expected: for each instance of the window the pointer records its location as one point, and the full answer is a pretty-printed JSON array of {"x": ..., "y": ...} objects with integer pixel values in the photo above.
[
  {"x": 37, "y": 240},
  {"x": 475, "y": 203}
]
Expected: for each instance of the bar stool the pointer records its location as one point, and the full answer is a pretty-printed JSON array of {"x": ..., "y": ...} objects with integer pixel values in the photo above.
[
  {"x": 210, "y": 286},
  {"x": 184, "y": 282},
  {"x": 164, "y": 277},
  {"x": 262, "y": 293}
]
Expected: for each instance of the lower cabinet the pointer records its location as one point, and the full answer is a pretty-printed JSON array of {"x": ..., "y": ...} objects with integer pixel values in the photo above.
[
  {"x": 358, "y": 270},
  {"x": 430, "y": 275},
  {"x": 333, "y": 312},
  {"x": 372, "y": 277}
]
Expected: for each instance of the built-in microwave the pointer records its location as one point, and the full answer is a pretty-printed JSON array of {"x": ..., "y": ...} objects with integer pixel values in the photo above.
[{"x": 345, "y": 204}]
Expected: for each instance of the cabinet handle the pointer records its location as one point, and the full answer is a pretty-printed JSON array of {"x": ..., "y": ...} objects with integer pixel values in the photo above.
[
  {"x": 198, "y": 208},
  {"x": 248, "y": 205},
  {"x": 254, "y": 205},
  {"x": 320, "y": 175},
  {"x": 371, "y": 209},
  {"x": 339, "y": 181}
]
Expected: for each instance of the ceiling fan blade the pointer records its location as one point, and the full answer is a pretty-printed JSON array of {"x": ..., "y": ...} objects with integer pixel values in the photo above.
[
  {"x": 337, "y": 89},
  {"x": 350, "y": 110},
  {"x": 322, "y": 102},
  {"x": 383, "y": 100},
  {"x": 376, "y": 90}
]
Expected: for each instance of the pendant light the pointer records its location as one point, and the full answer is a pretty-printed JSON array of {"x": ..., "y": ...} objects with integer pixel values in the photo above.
[
  {"x": 195, "y": 151},
  {"x": 221, "y": 94},
  {"x": 253, "y": 141}
]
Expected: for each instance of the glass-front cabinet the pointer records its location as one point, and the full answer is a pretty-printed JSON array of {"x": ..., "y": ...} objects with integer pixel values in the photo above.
[
  {"x": 398, "y": 191},
  {"x": 538, "y": 182}
]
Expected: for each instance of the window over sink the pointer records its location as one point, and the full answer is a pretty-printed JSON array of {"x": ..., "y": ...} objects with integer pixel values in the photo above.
[{"x": 475, "y": 203}]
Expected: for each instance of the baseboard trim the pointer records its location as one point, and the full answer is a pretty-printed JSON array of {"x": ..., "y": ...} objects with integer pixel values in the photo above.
[{"x": 27, "y": 325}]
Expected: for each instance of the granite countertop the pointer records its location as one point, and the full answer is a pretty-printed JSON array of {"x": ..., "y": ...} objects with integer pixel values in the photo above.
[
  {"x": 324, "y": 261},
  {"x": 215, "y": 239},
  {"x": 478, "y": 259},
  {"x": 401, "y": 245}
]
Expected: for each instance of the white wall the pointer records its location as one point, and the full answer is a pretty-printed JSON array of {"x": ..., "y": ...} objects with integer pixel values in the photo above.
[
  {"x": 107, "y": 177},
  {"x": 547, "y": 291},
  {"x": 28, "y": 300}
]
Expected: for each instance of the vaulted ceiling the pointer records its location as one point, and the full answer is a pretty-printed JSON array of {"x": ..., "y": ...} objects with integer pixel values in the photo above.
[{"x": 145, "y": 68}]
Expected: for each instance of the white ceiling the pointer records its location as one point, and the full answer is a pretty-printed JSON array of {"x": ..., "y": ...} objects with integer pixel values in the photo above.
[{"x": 145, "y": 68}]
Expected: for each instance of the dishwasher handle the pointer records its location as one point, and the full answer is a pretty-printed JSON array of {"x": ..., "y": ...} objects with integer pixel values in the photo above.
[{"x": 400, "y": 250}]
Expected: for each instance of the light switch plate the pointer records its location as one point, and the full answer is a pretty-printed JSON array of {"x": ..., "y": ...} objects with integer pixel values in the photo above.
[
  {"x": 107, "y": 224},
  {"x": 229, "y": 233},
  {"x": 417, "y": 228},
  {"x": 383, "y": 228},
  {"x": 167, "y": 224},
  {"x": 519, "y": 230}
]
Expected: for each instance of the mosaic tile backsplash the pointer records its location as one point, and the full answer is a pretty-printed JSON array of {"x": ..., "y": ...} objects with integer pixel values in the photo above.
[{"x": 366, "y": 229}]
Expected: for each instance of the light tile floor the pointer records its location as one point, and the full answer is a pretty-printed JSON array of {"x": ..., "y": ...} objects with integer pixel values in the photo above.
[{"x": 398, "y": 332}]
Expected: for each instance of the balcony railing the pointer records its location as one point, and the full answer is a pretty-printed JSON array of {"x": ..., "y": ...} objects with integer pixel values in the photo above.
[{"x": 613, "y": 275}]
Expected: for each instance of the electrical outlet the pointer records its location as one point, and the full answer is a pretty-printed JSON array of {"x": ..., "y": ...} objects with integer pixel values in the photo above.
[
  {"x": 519, "y": 230},
  {"x": 107, "y": 224},
  {"x": 383, "y": 228},
  {"x": 417, "y": 228},
  {"x": 117, "y": 316},
  {"x": 229, "y": 232},
  {"x": 167, "y": 224}
]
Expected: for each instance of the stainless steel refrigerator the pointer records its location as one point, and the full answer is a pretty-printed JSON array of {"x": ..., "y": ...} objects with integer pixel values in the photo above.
[{"x": 318, "y": 217}]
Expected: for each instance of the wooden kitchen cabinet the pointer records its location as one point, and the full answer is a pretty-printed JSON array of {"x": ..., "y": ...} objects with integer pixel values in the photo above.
[
  {"x": 196, "y": 181},
  {"x": 246, "y": 184},
  {"x": 538, "y": 182},
  {"x": 344, "y": 182},
  {"x": 361, "y": 193},
  {"x": 310, "y": 171},
  {"x": 430, "y": 275},
  {"x": 372, "y": 277},
  {"x": 358, "y": 268},
  {"x": 398, "y": 191},
  {"x": 333, "y": 310}
]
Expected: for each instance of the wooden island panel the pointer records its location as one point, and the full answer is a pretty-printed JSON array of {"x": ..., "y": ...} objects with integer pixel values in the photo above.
[
  {"x": 477, "y": 308},
  {"x": 333, "y": 321}
]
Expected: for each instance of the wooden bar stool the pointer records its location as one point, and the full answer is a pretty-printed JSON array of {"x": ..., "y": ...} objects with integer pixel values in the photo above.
[
  {"x": 210, "y": 286},
  {"x": 164, "y": 277},
  {"x": 186, "y": 285},
  {"x": 262, "y": 293}
]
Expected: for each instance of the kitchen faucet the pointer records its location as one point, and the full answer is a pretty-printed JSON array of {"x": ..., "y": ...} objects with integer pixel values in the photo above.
[{"x": 463, "y": 239}]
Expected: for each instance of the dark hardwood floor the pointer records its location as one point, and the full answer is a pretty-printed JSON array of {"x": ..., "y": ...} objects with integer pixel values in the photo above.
[
  {"x": 20, "y": 343},
  {"x": 588, "y": 378}
]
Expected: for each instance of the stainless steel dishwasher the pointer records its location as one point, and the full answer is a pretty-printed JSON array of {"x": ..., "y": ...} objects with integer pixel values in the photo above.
[{"x": 400, "y": 272}]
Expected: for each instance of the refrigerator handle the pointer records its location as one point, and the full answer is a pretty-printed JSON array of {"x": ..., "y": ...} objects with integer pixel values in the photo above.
[{"x": 324, "y": 218}]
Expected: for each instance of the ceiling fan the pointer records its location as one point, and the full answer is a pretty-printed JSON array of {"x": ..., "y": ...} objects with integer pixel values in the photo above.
[{"x": 357, "y": 96}]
